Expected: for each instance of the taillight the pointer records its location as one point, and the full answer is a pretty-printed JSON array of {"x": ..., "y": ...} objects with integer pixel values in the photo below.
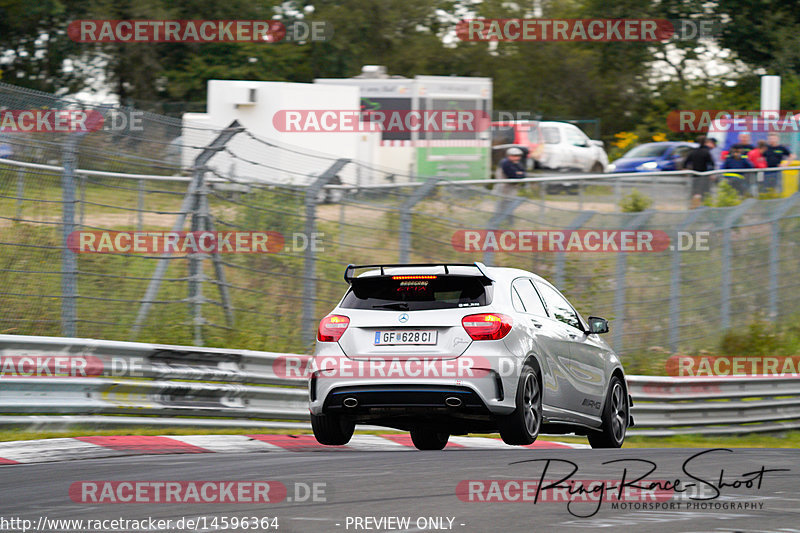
[
  {"x": 487, "y": 326},
  {"x": 332, "y": 327}
]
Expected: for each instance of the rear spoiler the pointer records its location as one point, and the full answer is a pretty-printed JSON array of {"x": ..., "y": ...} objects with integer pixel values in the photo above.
[{"x": 350, "y": 271}]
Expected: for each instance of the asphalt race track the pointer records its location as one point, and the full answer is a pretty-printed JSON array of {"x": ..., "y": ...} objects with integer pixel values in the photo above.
[{"x": 422, "y": 487}]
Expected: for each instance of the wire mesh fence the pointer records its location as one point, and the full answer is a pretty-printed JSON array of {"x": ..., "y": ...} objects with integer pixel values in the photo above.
[{"x": 322, "y": 213}]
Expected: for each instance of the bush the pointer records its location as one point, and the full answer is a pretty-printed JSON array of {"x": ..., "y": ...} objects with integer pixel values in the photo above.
[
  {"x": 726, "y": 196},
  {"x": 635, "y": 202},
  {"x": 769, "y": 194},
  {"x": 758, "y": 339}
]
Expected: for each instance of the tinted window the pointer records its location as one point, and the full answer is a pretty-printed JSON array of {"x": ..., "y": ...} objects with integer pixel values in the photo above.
[
  {"x": 533, "y": 304},
  {"x": 558, "y": 306},
  {"x": 416, "y": 293},
  {"x": 648, "y": 150}
]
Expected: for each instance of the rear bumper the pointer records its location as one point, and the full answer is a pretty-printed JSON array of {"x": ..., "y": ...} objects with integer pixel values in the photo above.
[
  {"x": 485, "y": 395},
  {"x": 369, "y": 399},
  {"x": 485, "y": 373}
]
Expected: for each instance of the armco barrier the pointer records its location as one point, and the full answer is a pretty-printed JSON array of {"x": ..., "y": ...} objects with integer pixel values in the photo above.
[
  {"x": 725, "y": 405},
  {"x": 144, "y": 384},
  {"x": 152, "y": 384}
]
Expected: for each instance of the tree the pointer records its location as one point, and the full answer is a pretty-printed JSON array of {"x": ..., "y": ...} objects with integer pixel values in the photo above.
[{"x": 36, "y": 47}]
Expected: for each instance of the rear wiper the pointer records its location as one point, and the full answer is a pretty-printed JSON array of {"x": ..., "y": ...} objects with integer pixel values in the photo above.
[{"x": 400, "y": 306}]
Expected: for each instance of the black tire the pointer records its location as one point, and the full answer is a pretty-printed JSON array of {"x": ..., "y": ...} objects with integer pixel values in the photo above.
[
  {"x": 428, "y": 439},
  {"x": 597, "y": 168},
  {"x": 332, "y": 430},
  {"x": 615, "y": 418},
  {"x": 522, "y": 426}
]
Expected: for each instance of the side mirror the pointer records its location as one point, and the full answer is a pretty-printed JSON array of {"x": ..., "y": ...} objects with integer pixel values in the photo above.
[{"x": 598, "y": 325}]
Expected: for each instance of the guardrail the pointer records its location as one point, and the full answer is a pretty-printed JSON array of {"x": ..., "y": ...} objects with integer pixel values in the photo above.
[
  {"x": 105, "y": 383},
  {"x": 725, "y": 405},
  {"x": 143, "y": 384}
]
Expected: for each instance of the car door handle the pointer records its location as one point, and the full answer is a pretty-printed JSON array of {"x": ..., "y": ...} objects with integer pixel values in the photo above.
[
  {"x": 572, "y": 336},
  {"x": 536, "y": 323}
]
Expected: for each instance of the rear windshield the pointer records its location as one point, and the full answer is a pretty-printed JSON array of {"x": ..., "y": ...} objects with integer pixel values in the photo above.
[{"x": 417, "y": 293}]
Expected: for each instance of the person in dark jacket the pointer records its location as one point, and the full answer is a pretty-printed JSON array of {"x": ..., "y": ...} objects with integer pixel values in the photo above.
[
  {"x": 511, "y": 164},
  {"x": 510, "y": 167},
  {"x": 736, "y": 160},
  {"x": 700, "y": 160}
]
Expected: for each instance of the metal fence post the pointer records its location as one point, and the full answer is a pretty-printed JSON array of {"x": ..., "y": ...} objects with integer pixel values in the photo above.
[
  {"x": 576, "y": 224},
  {"x": 69, "y": 265},
  {"x": 725, "y": 290},
  {"x": 188, "y": 203},
  {"x": 405, "y": 216},
  {"x": 675, "y": 282},
  {"x": 196, "y": 274},
  {"x": 219, "y": 271},
  {"x": 309, "y": 267},
  {"x": 619, "y": 293},
  {"x": 505, "y": 208},
  {"x": 774, "y": 252}
]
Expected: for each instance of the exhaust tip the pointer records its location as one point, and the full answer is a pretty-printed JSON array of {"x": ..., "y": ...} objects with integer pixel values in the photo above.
[
  {"x": 452, "y": 401},
  {"x": 350, "y": 402}
]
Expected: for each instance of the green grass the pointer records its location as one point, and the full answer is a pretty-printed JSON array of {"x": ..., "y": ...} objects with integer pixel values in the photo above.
[{"x": 789, "y": 439}]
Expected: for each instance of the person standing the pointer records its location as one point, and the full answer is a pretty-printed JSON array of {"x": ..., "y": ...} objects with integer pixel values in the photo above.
[
  {"x": 775, "y": 155},
  {"x": 715, "y": 151},
  {"x": 511, "y": 164},
  {"x": 700, "y": 160},
  {"x": 510, "y": 168}
]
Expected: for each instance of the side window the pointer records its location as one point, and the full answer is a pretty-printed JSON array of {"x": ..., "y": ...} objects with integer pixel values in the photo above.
[
  {"x": 576, "y": 136},
  {"x": 558, "y": 306},
  {"x": 533, "y": 304}
]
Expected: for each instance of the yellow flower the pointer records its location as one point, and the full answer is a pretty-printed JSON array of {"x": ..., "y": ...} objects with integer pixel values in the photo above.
[
  {"x": 624, "y": 139},
  {"x": 659, "y": 137}
]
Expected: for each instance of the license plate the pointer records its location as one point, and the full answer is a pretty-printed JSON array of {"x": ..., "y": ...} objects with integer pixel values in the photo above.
[{"x": 409, "y": 336}]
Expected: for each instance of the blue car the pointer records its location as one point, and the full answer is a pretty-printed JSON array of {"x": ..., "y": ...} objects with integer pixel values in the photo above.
[{"x": 650, "y": 157}]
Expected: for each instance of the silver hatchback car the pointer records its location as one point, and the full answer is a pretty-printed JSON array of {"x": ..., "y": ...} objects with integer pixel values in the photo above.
[{"x": 452, "y": 349}]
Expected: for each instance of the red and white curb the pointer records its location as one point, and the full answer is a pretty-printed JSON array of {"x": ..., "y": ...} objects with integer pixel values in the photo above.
[{"x": 95, "y": 447}]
